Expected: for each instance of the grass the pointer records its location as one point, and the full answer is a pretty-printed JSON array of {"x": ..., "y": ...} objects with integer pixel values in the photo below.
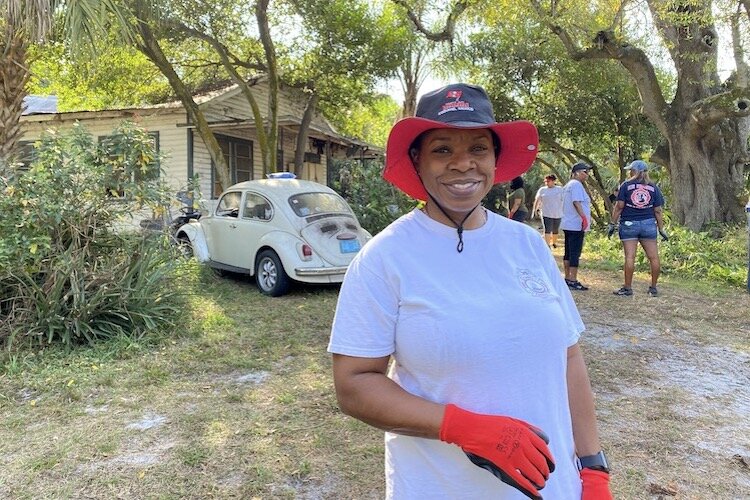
[
  {"x": 718, "y": 255},
  {"x": 244, "y": 397},
  {"x": 241, "y": 404}
]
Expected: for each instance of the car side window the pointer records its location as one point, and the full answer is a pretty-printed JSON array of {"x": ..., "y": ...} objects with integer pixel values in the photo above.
[
  {"x": 229, "y": 205},
  {"x": 257, "y": 207}
]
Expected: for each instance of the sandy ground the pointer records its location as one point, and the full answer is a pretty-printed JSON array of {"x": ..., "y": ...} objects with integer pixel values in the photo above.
[
  {"x": 671, "y": 375},
  {"x": 672, "y": 379}
]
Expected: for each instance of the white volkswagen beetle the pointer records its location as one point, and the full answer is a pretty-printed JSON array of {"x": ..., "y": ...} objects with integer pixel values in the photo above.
[{"x": 277, "y": 230}]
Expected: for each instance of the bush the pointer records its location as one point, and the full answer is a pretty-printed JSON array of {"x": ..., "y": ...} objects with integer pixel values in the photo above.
[
  {"x": 375, "y": 202},
  {"x": 717, "y": 254},
  {"x": 66, "y": 274}
]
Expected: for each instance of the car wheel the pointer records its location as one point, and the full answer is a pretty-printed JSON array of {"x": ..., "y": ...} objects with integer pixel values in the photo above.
[
  {"x": 270, "y": 275},
  {"x": 184, "y": 247}
]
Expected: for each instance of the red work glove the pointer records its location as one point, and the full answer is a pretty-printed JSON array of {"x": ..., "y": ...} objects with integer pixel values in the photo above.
[
  {"x": 595, "y": 485},
  {"x": 584, "y": 223},
  {"x": 514, "y": 451}
]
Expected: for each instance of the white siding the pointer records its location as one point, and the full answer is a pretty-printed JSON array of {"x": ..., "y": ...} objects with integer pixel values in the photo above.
[
  {"x": 171, "y": 124},
  {"x": 172, "y": 139}
]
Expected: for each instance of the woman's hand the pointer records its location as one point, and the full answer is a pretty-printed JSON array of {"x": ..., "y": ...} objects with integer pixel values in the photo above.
[
  {"x": 514, "y": 451},
  {"x": 595, "y": 485}
]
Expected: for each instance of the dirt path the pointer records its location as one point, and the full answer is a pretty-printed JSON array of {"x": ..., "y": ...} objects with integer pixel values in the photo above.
[{"x": 672, "y": 380}]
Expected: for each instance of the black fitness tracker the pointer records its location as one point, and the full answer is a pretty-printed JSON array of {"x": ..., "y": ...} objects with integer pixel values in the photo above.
[{"x": 595, "y": 462}]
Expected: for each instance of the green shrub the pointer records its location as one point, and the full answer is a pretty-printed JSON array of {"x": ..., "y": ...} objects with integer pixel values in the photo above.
[
  {"x": 66, "y": 274},
  {"x": 717, "y": 254},
  {"x": 375, "y": 202}
]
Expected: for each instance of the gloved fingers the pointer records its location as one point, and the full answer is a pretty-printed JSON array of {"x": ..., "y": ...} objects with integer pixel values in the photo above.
[
  {"x": 540, "y": 441},
  {"x": 537, "y": 476},
  {"x": 527, "y": 489},
  {"x": 539, "y": 432},
  {"x": 524, "y": 485},
  {"x": 538, "y": 460},
  {"x": 550, "y": 464}
]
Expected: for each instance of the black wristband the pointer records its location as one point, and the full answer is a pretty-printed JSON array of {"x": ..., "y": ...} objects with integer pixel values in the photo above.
[{"x": 595, "y": 462}]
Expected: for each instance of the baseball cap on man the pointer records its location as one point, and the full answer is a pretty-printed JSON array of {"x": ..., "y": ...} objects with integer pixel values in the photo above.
[
  {"x": 457, "y": 106},
  {"x": 581, "y": 165},
  {"x": 637, "y": 166}
]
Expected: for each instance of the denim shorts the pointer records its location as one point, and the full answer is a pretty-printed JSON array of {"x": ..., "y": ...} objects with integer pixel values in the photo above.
[{"x": 638, "y": 229}]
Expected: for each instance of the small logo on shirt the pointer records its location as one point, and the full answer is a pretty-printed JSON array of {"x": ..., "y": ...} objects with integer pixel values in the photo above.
[{"x": 533, "y": 283}]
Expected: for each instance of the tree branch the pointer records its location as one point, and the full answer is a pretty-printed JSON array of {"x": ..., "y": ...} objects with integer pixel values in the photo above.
[
  {"x": 634, "y": 60},
  {"x": 149, "y": 46},
  {"x": 218, "y": 46},
  {"x": 746, "y": 5},
  {"x": 446, "y": 35},
  {"x": 270, "y": 156},
  {"x": 711, "y": 110},
  {"x": 743, "y": 72}
]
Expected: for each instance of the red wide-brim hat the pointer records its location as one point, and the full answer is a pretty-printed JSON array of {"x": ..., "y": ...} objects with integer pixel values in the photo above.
[{"x": 458, "y": 106}]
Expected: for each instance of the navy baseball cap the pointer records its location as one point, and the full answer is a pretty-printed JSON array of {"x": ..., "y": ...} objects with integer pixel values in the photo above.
[
  {"x": 458, "y": 105},
  {"x": 581, "y": 165}
]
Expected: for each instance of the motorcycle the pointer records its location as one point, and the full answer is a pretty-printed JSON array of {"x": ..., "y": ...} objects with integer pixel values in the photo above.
[{"x": 172, "y": 224}]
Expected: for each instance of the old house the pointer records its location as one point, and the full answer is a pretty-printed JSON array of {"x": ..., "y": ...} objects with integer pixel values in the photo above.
[{"x": 230, "y": 117}]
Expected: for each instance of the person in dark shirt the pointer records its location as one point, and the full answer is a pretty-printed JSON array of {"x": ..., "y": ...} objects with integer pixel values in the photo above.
[
  {"x": 639, "y": 211},
  {"x": 517, "y": 201}
]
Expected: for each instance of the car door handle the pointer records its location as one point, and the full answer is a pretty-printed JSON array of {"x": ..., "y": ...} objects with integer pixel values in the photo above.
[{"x": 233, "y": 225}]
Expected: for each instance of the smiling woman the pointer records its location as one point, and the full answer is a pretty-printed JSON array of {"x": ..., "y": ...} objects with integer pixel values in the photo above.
[
  {"x": 457, "y": 167},
  {"x": 468, "y": 376}
]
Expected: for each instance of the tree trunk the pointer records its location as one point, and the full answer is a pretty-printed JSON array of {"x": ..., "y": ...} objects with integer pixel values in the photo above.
[
  {"x": 410, "y": 100},
  {"x": 304, "y": 128},
  {"x": 272, "y": 133},
  {"x": 412, "y": 76},
  {"x": 706, "y": 174},
  {"x": 150, "y": 47},
  {"x": 13, "y": 77}
]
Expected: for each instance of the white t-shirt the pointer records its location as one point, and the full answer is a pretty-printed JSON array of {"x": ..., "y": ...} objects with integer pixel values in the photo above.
[
  {"x": 551, "y": 201},
  {"x": 574, "y": 191},
  {"x": 487, "y": 329}
]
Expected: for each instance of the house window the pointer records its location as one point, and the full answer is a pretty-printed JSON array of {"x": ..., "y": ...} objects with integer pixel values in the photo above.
[
  {"x": 312, "y": 158},
  {"x": 137, "y": 175},
  {"x": 238, "y": 153},
  {"x": 26, "y": 154}
]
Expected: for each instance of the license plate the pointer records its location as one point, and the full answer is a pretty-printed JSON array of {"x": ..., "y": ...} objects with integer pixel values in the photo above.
[{"x": 349, "y": 246}]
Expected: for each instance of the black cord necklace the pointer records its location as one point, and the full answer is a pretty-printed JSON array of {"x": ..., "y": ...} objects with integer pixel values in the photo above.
[{"x": 459, "y": 227}]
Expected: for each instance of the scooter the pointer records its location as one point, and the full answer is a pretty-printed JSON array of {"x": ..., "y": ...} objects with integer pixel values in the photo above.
[
  {"x": 187, "y": 213},
  {"x": 173, "y": 224}
]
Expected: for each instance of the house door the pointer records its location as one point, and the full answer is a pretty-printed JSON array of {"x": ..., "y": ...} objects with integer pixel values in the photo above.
[{"x": 238, "y": 153}]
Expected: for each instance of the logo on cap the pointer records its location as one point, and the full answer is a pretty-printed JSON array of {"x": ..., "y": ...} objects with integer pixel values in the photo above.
[{"x": 455, "y": 105}]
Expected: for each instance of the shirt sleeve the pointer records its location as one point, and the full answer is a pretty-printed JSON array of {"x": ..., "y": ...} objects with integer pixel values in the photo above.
[
  {"x": 365, "y": 321},
  {"x": 578, "y": 193},
  {"x": 621, "y": 194},
  {"x": 658, "y": 197}
]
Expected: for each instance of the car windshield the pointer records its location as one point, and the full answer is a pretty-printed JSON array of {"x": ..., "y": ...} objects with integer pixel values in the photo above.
[{"x": 306, "y": 204}]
